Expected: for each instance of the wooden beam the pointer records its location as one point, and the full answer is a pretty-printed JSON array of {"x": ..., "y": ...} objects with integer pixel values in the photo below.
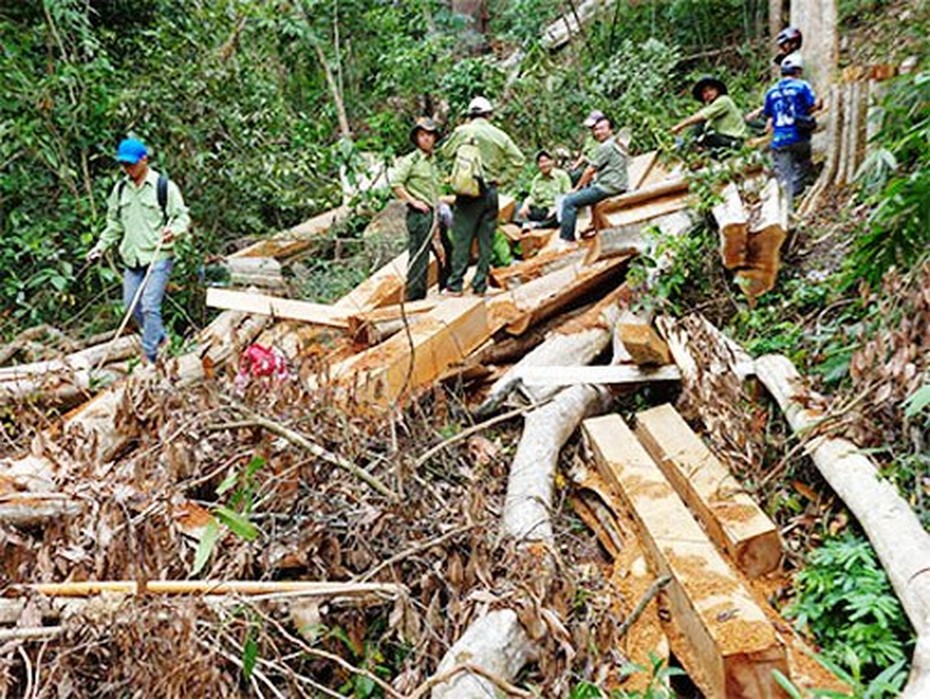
[
  {"x": 610, "y": 374},
  {"x": 246, "y": 302},
  {"x": 642, "y": 343},
  {"x": 732, "y": 519},
  {"x": 646, "y": 211},
  {"x": 733, "y": 646},
  {"x": 384, "y": 287},
  {"x": 436, "y": 341},
  {"x": 520, "y": 308},
  {"x": 733, "y": 222},
  {"x": 763, "y": 252},
  {"x": 639, "y": 168}
]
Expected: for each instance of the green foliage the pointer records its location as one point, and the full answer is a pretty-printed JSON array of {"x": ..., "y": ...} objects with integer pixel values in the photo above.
[
  {"x": 234, "y": 516},
  {"x": 470, "y": 77},
  {"x": 895, "y": 181},
  {"x": 886, "y": 684},
  {"x": 845, "y": 599},
  {"x": 659, "y": 687}
]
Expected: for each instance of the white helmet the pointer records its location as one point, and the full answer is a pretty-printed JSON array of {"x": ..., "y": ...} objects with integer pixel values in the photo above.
[
  {"x": 479, "y": 105},
  {"x": 791, "y": 63}
]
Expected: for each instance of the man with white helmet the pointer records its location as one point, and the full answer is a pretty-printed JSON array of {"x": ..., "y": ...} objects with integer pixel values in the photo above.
[
  {"x": 476, "y": 215},
  {"x": 788, "y": 107}
]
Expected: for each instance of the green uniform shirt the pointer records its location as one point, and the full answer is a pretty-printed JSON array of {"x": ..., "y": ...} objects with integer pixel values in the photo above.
[
  {"x": 416, "y": 172},
  {"x": 589, "y": 147},
  {"x": 544, "y": 190},
  {"x": 723, "y": 117},
  {"x": 135, "y": 219},
  {"x": 610, "y": 163},
  {"x": 501, "y": 160}
]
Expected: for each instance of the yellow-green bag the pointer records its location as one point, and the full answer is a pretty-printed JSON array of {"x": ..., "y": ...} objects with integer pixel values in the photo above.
[{"x": 466, "y": 170}]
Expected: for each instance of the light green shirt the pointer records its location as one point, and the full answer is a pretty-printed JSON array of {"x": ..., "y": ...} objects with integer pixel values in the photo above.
[
  {"x": 416, "y": 172},
  {"x": 610, "y": 163},
  {"x": 544, "y": 190},
  {"x": 724, "y": 117},
  {"x": 501, "y": 160},
  {"x": 135, "y": 219}
]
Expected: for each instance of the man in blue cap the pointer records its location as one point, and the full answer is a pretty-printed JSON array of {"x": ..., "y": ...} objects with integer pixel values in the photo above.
[{"x": 145, "y": 213}]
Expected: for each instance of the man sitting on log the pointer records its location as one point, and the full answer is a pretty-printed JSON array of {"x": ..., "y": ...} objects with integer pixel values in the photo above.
[
  {"x": 588, "y": 148},
  {"x": 546, "y": 190},
  {"x": 718, "y": 127},
  {"x": 788, "y": 106},
  {"x": 609, "y": 167},
  {"x": 415, "y": 181}
]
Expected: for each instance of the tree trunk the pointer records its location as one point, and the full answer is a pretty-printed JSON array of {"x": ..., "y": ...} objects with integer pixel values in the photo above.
[
  {"x": 899, "y": 539},
  {"x": 498, "y": 642},
  {"x": 817, "y": 19}
]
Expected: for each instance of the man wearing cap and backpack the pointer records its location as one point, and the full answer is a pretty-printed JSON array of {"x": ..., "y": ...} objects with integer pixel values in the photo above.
[
  {"x": 415, "y": 181},
  {"x": 788, "y": 106},
  {"x": 145, "y": 214},
  {"x": 483, "y": 157},
  {"x": 718, "y": 126}
]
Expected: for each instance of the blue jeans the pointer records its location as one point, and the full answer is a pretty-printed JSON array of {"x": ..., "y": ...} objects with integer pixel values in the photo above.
[
  {"x": 574, "y": 201},
  {"x": 793, "y": 168},
  {"x": 147, "y": 311}
]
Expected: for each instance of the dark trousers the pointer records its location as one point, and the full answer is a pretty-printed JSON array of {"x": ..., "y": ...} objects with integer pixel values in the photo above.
[
  {"x": 419, "y": 230},
  {"x": 473, "y": 217},
  {"x": 540, "y": 216}
]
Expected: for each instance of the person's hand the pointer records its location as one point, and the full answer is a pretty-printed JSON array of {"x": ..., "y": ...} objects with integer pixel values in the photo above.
[
  {"x": 676, "y": 128},
  {"x": 93, "y": 255},
  {"x": 524, "y": 211},
  {"x": 419, "y": 205},
  {"x": 439, "y": 251},
  {"x": 167, "y": 235}
]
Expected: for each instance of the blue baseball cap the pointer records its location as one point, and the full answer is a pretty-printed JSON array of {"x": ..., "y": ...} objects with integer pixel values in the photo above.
[{"x": 131, "y": 150}]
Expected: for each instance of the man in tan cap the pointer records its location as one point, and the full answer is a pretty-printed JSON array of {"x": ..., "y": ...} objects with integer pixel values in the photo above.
[{"x": 415, "y": 181}]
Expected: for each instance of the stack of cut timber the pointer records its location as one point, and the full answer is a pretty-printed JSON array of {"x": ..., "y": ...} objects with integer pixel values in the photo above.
[{"x": 724, "y": 634}]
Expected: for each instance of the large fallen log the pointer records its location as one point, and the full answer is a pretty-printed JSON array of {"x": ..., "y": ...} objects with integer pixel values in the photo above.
[
  {"x": 732, "y": 519},
  {"x": 297, "y": 239},
  {"x": 518, "y": 309},
  {"x": 727, "y": 644},
  {"x": 498, "y": 642},
  {"x": 899, "y": 539},
  {"x": 570, "y": 24},
  {"x": 763, "y": 246}
]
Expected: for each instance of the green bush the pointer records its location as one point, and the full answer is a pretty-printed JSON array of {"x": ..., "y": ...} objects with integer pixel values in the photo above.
[{"x": 846, "y": 601}]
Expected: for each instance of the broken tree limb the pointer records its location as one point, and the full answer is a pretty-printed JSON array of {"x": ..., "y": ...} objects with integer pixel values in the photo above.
[
  {"x": 31, "y": 509},
  {"x": 303, "y": 442},
  {"x": 215, "y": 587},
  {"x": 899, "y": 539}
]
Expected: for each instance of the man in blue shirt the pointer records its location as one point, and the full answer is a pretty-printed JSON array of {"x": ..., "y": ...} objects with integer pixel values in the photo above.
[{"x": 788, "y": 106}]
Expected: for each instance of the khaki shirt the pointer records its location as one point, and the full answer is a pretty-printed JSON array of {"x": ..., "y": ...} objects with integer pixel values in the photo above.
[
  {"x": 610, "y": 161},
  {"x": 135, "y": 219},
  {"x": 723, "y": 117},
  {"x": 501, "y": 160},
  {"x": 416, "y": 172},
  {"x": 544, "y": 190}
]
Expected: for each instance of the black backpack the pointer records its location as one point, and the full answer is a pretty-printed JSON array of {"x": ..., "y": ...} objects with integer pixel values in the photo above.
[{"x": 161, "y": 191}]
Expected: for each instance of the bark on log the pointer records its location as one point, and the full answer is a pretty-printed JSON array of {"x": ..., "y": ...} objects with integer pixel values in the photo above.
[
  {"x": 817, "y": 19},
  {"x": 498, "y": 641},
  {"x": 84, "y": 359},
  {"x": 734, "y": 227},
  {"x": 899, "y": 539}
]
